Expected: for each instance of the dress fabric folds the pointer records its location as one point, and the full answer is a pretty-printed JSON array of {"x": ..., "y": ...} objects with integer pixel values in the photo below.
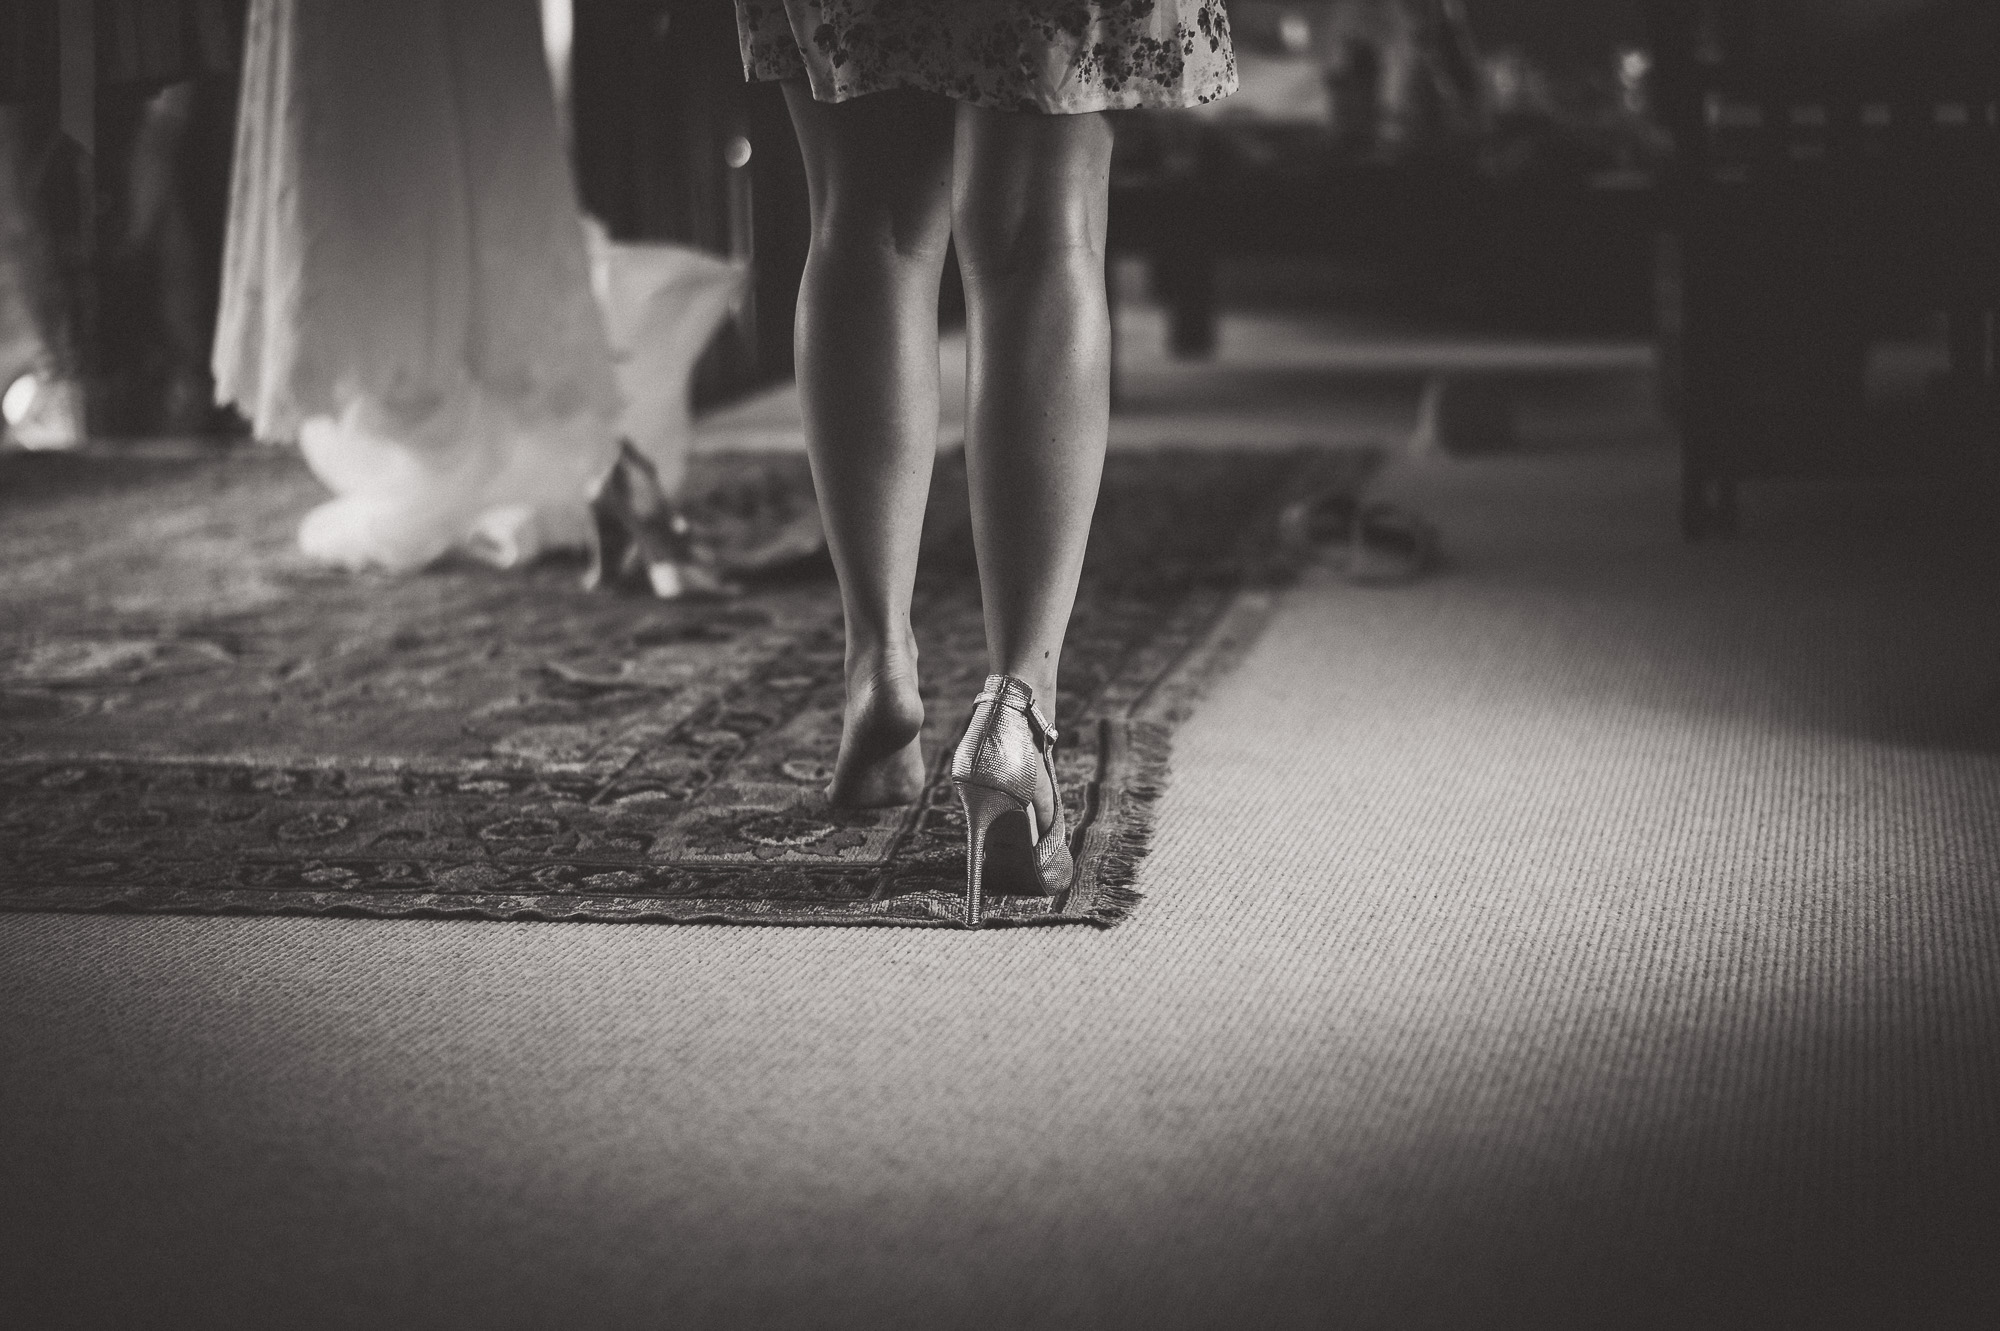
[
  {"x": 1048, "y": 56},
  {"x": 407, "y": 286}
]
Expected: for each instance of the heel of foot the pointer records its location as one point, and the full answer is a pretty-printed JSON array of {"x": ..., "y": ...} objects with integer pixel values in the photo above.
[
  {"x": 881, "y": 761},
  {"x": 897, "y": 778}
]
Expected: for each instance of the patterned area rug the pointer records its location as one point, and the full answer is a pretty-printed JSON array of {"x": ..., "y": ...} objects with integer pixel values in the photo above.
[{"x": 194, "y": 719}]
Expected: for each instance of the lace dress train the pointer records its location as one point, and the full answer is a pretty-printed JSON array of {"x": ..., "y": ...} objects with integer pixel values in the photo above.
[{"x": 407, "y": 285}]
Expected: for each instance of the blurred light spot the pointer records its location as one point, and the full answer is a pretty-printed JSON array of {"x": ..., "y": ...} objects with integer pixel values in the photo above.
[
  {"x": 737, "y": 153},
  {"x": 1633, "y": 66},
  {"x": 1295, "y": 32},
  {"x": 19, "y": 397},
  {"x": 558, "y": 37}
]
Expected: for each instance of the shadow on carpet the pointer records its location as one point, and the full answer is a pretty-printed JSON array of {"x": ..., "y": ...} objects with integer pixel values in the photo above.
[{"x": 195, "y": 719}]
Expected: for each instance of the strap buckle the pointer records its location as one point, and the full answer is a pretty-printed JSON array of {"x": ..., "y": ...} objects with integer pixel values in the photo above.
[
  {"x": 1026, "y": 707},
  {"x": 1040, "y": 722}
]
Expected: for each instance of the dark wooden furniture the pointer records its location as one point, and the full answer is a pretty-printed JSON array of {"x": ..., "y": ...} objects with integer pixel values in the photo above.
[
  {"x": 125, "y": 295},
  {"x": 1837, "y": 173},
  {"x": 1554, "y": 252}
]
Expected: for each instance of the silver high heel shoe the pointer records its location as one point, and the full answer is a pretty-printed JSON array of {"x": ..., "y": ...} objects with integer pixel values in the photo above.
[{"x": 994, "y": 772}]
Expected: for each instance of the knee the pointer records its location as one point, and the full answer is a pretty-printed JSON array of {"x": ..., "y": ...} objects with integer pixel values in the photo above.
[
  {"x": 880, "y": 238},
  {"x": 1021, "y": 239}
]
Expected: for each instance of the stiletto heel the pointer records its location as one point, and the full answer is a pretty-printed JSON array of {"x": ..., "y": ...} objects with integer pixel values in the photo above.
[
  {"x": 983, "y": 807},
  {"x": 1006, "y": 748}
]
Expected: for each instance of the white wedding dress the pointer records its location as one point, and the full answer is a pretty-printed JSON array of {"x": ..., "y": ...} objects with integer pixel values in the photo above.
[{"x": 408, "y": 285}]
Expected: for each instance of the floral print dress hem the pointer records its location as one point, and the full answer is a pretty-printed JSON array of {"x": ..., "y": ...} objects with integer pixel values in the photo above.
[{"x": 1048, "y": 56}]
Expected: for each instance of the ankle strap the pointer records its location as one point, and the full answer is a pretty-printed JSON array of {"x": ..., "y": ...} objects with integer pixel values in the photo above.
[{"x": 1011, "y": 692}]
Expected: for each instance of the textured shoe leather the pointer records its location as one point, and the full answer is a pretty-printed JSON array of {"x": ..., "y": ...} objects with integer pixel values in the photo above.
[
  {"x": 1000, "y": 749},
  {"x": 1007, "y": 742},
  {"x": 1052, "y": 855}
]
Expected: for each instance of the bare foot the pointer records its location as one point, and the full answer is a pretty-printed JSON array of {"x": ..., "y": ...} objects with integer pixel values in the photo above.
[{"x": 881, "y": 762}]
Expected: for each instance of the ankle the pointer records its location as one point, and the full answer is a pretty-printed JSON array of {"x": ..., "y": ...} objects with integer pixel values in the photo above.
[
  {"x": 881, "y": 659},
  {"x": 1042, "y": 683},
  {"x": 882, "y": 690}
]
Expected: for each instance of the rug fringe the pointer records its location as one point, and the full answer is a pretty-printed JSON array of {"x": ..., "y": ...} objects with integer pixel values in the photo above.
[
  {"x": 1148, "y": 749},
  {"x": 1148, "y": 744}
]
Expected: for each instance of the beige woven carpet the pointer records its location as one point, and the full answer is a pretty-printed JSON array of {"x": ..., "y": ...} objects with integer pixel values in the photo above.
[
  {"x": 192, "y": 718},
  {"x": 1601, "y": 933}
]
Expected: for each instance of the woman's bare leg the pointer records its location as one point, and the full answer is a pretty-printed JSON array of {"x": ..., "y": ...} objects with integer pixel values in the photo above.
[
  {"x": 1029, "y": 202},
  {"x": 879, "y": 172}
]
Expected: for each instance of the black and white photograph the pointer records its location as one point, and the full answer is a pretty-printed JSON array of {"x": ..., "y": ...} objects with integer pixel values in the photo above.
[{"x": 1071, "y": 664}]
